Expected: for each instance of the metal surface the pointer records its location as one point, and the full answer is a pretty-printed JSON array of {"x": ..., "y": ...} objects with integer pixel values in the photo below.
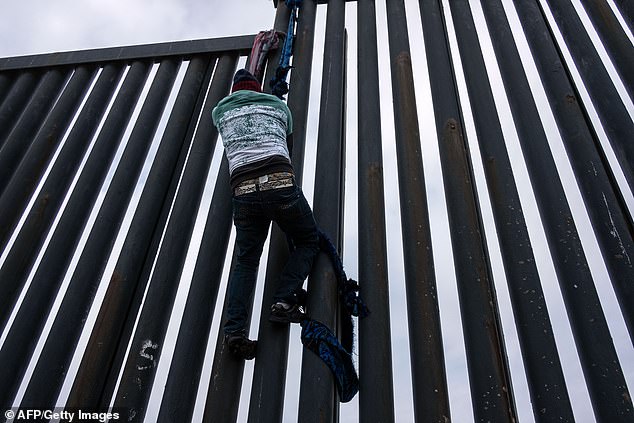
[
  {"x": 182, "y": 382},
  {"x": 616, "y": 120},
  {"x": 607, "y": 210},
  {"x": 136, "y": 381},
  {"x": 31, "y": 169},
  {"x": 596, "y": 350},
  {"x": 6, "y": 82},
  {"x": 98, "y": 328},
  {"x": 376, "y": 392},
  {"x": 227, "y": 372},
  {"x": 616, "y": 43},
  {"x": 85, "y": 281},
  {"x": 545, "y": 376},
  {"x": 15, "y": 269},
  {"x": 240, "y": 45},
  {"x": 15, "y": 100},
  {"x": 43, "y": 288},
  {"x": 489, "y": 375},
  {"x": 431, "y": 399},
  {"x": 626, "y": 8},
  {"x": 317, "y": 396},
  {"x": 21, "y": 136},
  {"x": 128, "y": 283}
]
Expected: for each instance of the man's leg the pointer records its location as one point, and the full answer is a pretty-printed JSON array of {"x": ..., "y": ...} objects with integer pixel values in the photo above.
[
  {"x": 251, "y": 232},
  {"x": 297, "y": 221}
]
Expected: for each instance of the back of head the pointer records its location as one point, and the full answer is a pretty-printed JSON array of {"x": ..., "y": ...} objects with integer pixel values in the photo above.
[{"x": 244, "y": 80}]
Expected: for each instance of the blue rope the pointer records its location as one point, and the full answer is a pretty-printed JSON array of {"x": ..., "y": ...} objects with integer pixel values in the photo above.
[
  {"x": 279, "y": 86},
  {"x": 348, "y": 288}
]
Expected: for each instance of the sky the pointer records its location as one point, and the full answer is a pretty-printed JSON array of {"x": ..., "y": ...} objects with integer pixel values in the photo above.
[{"x": 37, "y": 26}]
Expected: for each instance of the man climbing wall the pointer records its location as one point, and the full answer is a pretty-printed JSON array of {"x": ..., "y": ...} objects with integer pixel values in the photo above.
[{"x": 256, "y": 130}]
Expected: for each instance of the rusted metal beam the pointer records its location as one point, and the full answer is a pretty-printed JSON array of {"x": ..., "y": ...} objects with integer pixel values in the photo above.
[
  {"x": 609, "y": 215},
  {"x": 431, "y": 398},
  {"x": 6, "y": 82},
  {"x": 489, "y": 375},
  {"x": 376, "y": 390},
  {"x": 33, "y": 117},
  {"x": 598, "y": 356},
  {"x": 546, "y": 381},
  {"x": 28, "y": 173},
  {"x": 128, "y": 282},
  {"x": 87, "y": 276},
  {"x": 183, "y": 379},
  {"x": 318, "y": 398},
  {"x": 616, "y": 43},
  {"x": 626, "y": 8},
  {"x": 49, "y": 275},
  {"x": 14, "y": 271},
  {"x": 15, "y": 100},
  {"x": 613, "y": 114}
]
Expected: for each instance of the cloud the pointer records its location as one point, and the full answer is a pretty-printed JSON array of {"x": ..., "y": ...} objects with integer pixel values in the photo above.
[{"x": 37, "y": 26}]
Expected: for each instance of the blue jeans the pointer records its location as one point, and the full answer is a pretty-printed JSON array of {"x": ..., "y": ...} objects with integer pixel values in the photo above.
[{"x": 252, "y": 216}]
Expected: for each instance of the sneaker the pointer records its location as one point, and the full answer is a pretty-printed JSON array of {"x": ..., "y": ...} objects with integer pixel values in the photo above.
[
  {"x": 240, "y": 345},
  {"x": 287, "y": 313}
]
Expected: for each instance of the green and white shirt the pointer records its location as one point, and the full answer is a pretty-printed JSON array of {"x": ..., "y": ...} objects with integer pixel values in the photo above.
[{"x": 253, "y": 127}]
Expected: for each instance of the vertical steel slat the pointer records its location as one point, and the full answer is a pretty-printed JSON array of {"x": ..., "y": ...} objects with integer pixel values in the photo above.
[
  {"x": 15, "y": 270},
  {"x": 608, "y": 212},
  {"x": 49, "y": 275},
  {"x": 208, "y": 134},
  {"x": 615, "y": 41},
  {"x": 546, "y": 381},
  {"x": 267, "y": 392},
  {"x": 85, "y": 280},
  {"x": 431, "y": 399},
  {"x": 280, "y": 24},
  {"x": 626, "y": 7},
  {"x": 223, "y": 396},
  {"x": 599, "y": 361},
  {"x": 28, "y": 173},
  {"x": 318, "y": 401},
  {"x": 489, "y": 375},
  {"x": 21, "y": 137},
  {"x": 299, "y": 95},
  {"x": 6, "y": 82},
  {"x": 136, "y": 383},
  {"x": 183, "y": 379},
  {"x": 68, "y": 160},
  {"x": 376, "y": 391},
  {"x": 16, "y": 99},
  {"x": 115, "y": 321},
  {"x": 615, "y": 118}
]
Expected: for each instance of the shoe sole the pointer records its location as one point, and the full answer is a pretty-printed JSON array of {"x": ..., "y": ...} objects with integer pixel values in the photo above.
[{"x": 280, "y": 319}]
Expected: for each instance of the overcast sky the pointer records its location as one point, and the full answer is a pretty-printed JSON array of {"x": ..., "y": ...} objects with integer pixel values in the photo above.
[{"x": 43, "y": 26}]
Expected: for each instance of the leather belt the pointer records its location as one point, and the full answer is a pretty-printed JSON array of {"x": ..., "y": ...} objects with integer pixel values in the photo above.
[{"x": 265, "y": 183}]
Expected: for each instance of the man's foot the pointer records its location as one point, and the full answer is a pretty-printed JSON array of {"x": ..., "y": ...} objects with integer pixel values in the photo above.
[
  {"x": 287, "y": 313},
  {"x": 240, "y": 345}
]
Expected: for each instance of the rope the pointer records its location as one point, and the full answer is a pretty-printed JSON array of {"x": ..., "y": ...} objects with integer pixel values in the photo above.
[
  {"x": 348, "y": 288},
  {"x": 279, "y": 86}
]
